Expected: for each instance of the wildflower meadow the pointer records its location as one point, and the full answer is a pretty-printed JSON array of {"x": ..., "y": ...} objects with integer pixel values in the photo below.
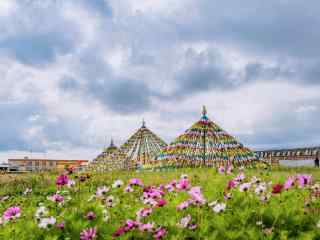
[{"x": 177, "y": 204}]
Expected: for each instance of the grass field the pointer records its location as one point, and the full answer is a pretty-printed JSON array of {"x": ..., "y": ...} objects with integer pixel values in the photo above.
[{"x": 253, "y": 204}]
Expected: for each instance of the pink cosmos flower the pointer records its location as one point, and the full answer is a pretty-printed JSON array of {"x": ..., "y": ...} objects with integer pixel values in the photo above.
[
  {"x": 160, "y": 233},
  {"x": 60, "y": 225},
  {"x": 184, "y": 204},
  {"x": 183, "y": 184},
  {"x": 147, "y": 227},
  {"x": 128, "y": 189},
  {"x": 135, "y": 181},
  {"x": 90, "y": 215},
  {"x": 221, "y": 169},
  {"x": 169, "y": 187},
  {"x": 196, "y": 195},
  {"x": 132, "y": 224},
  {"x": 239, "y": 177},
  {"x": 62, "y": 180},
  {"x": 88, "y": 234},
  {"x": 289, "y": 183},
  {"x": 144, "y": 212},
  {"x": 56, "y": 198},
  {"x": 12, "y": 213}
]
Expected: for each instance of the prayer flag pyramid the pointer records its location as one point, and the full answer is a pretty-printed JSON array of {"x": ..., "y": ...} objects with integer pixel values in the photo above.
[{"x": 205, "y": 144}]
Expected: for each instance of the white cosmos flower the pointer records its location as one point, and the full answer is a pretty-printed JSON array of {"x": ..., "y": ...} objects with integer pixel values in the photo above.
[
  {"x": 118, "y": 183},
  {"x": 101, "y": 191},
  {"x": 220, "y": 207},
  {"x": 46, "y": 222},
  {"x": 71, "y": 183},
  {"x": 41, "y": 212}
]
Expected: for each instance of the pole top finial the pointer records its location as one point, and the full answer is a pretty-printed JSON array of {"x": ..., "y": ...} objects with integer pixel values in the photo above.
[
  {"x": 111, "y": 143},
  {"x": 204, "y": 111}
]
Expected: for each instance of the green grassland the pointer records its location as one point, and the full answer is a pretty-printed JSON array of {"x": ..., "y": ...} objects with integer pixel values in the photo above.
[{"x": 291, "y": 214}]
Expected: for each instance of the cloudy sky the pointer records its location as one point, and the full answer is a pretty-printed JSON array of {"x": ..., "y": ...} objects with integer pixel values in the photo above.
[{"x": 75, "y": 73}]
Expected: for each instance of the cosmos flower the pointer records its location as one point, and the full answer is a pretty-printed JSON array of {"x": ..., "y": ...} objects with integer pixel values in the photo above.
[
  {"x": 221, "y": 169},
  {"x": 90, "y": 215},
  {"x": 239, "y": 177},
  {"x": 135, "y": 182},
  {"x": 41, "y": 212},
  {"x": 47, "y": 222},
  {"x": 219, "y": 207},
  {"x": 27, "y": 191},
  {"x": 62, "y": 180},
  {"x": 277, "y": 188},
  {"x": 304, "y": 179},
  {"x": 184, "y": 204},
  {"x": 244, "y": 187},
  {"x": 56, "y": 198},
  {"x": 71, "y": 183},
  {"x": 12, "y": 213},
  {"x": 183, "y": 184},
  {"x": 161, "y": 202},
  {"x": 196, "y": 195},
  {"x": 146, "y": 227},
  {"x": 232, "y": 184},
  {"x": 184, "y": 222},
  {"x": 289, "y": 183},
  {"x": 110, "y": 201},
  {"x": 118, "y": 183},
  {"x": 88, "y": 234},
  {"x": 160, "y": 233},
  {"x": 128, "y": 189},
  {"x": 61, "y": 225},
  {"x": 260, "y": 189},
  {"x": 227, "y": 196},
  {"x": 143, "y": 212},
  {"x": 184, "y": 176},
  {"x": 101, "y": 191}
]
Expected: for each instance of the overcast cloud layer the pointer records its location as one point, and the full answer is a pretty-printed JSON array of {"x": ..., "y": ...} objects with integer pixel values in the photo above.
[{"x": 75, "y": 73}]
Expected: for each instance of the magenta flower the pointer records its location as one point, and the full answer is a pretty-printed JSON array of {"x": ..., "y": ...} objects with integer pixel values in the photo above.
[
  {"x": 160, "y": 233},
  {"x": 120, "y": 231},
  {"x": 183, "y": 184},
  {"x": 132, "y": 224},
  {"x": 12, "y": 213},
  {"x": 88, "y": 234},
  {"x": 161, "y": 202},
  {"x": 289, "y": 183},
  {"x": 304, "y": 180},
  {"x": 62, "y": 180},
  {"x": 60, "y": 225},
  {"x": 277, "y": 188},
  {"x": 232, "y": 184},
  {"x": 135, "y": 181}
]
